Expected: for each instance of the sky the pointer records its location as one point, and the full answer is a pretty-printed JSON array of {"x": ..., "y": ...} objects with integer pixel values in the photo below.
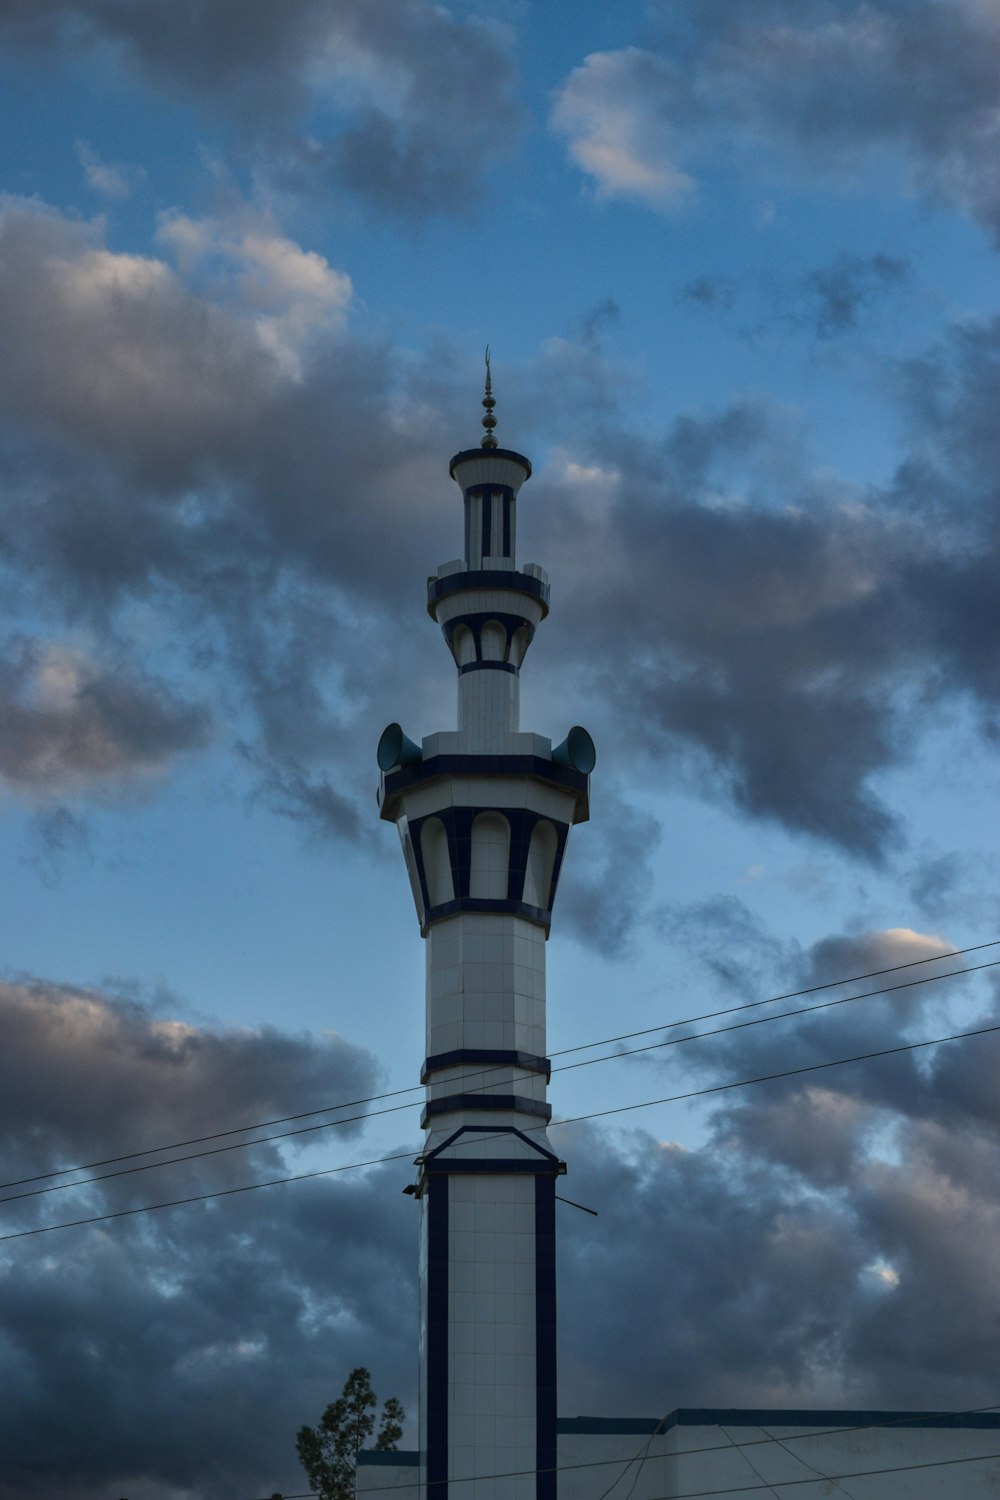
[{"x": 736, "y": 262}]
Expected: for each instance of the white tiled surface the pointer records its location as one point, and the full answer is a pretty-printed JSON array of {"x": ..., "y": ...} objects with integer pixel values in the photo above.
[
  {"x": 487, "y": 601},
  {"x": 486, "y": 468},
  {"x": 488, "y": 710},
  {"x": 491, "y": 1269},
  {"x": 486, "y": 984}
]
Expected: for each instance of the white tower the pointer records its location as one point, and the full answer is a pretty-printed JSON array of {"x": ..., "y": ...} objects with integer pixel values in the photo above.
[{"x": 483, "y": 813}]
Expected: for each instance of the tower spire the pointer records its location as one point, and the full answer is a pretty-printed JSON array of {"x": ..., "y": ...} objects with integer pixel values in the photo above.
[{"x": 489, "y": 421}]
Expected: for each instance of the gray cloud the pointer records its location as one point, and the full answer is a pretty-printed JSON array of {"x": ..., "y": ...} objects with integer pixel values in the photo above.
[
  {"x": 710, "y": 291},
  {"x": 187, "y": 1312},
  {"x": 913, "y": 77},
  {"x": 313, "y": 801},
  {"x": 830, "y": 301},
  {"x": 841, "y": 292},
  {"x": 69, "y": 722},
  {"x": 831, "y": 1242},
  {"x": 98, "y": 1073},
  {"x": 773, "y": 614},
  {"x": 791, "y": 1261},
  {"x": 421, "y": 98},
  {"x": 604, "y": 891},
  {"x": 56, "y": 834}
]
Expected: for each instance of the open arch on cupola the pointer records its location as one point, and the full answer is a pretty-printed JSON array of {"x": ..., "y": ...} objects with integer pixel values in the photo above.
[
  {"x": 493, "y": 641},
  {"x": 437, "y": 862},
  {"x": 463, "y": 645},
  {"x": 490, "y": 857},
  {"x": 541, "y": 863}
]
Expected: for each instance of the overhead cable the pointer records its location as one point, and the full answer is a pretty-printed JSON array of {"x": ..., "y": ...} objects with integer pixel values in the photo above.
[{"x": 598, "y": 1114}]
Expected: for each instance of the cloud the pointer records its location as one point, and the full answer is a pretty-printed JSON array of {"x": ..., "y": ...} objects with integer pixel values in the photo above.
[
  {"x": 96, "y": 1073},
  {"x": 911, "y": 78},
  {"x": 406, "y": 104},
  {"x": 914, "y": 80},
  {"x": 604, "y": 890},
  {"x": 782, "y": 623},
  {"x": 615, "y": 113},
  {"x": 833, "y": 300},
  {"x": 312, "y": 801},
  {"x": 839, "y": 293},
  {"x": 55, "y": 835},
  {"x": 70, "y": 723},
  {"x": 710, "y": 291},
  {"x": 293, "y": 296},
  {"x": 186, "y": 1312},
  {"x": 828, "y": 1245},
  {"x": 111, "y": 179}
]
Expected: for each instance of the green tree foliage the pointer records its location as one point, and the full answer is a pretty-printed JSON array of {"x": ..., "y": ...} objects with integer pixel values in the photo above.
[{"x": 328, "y": 1452}]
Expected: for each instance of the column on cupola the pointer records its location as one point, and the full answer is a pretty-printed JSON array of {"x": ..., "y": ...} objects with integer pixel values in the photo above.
[{"x": 483, "y": 813}]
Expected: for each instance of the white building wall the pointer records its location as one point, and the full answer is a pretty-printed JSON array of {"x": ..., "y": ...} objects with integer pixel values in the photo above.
[{"x": 784, "y": 1453}]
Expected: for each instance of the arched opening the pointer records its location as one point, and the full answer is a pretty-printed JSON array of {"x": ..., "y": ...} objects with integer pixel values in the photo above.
[
  {"x": 411, "y": 868},
  {"x": 519, "y": 644},
  {"x": 437, "y": 862},
  {"x": 490, "y": 857},
  {"x": 541, "y": 862},
  {"x": 493, "y": 641},
  {"x": 463, "y": 645}
]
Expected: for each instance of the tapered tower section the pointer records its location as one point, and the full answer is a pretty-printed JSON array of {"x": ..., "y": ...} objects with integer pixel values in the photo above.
[{"x": 483, "y": 813}]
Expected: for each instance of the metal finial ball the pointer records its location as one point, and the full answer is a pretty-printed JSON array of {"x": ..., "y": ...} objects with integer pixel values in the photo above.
[{"x": 489, "y": 421}]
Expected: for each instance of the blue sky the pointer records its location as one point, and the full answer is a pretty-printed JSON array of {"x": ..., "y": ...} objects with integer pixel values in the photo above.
[{"x": 737, "y": 266}]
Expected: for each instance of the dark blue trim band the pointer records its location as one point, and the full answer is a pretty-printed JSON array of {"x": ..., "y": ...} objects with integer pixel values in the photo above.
[
  {"x": 486, "y": 501},
  {"x": 388, "y": 1458},
  {"x": 545, "y": 1338},
  {"x": 485, "y": 1057},
  {"x": 468, "y": 453},
  {"x": 452, "y": 1102},
  {"x": 487, "y": 765},
  {"x": 611, "y": 1426},
  {"x": 484, "y": 904},
  {"x": 436, "y": 1388},
  {"x": 497, "y": 1166},
  {"x": 748, "y": 1417},
  {"x": 535, "y": 1146},
  {"x": 822, "y": 1420},
  {"x": 487, "y": 578},
  {"x": 494, "y": 666}
]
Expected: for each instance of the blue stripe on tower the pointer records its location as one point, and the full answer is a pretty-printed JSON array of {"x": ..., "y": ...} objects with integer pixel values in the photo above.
[
  {"x": 545, "y": 1337},
  {"x": 506, "y": 523},
  {"x": 437, "y": 1337},
  {"x": 487, "y": 504}
]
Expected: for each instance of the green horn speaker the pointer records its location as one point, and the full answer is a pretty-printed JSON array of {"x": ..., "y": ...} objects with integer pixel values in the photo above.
[
  {"x": 396, "y": 749},
  {"x": 576, "y": 751}
]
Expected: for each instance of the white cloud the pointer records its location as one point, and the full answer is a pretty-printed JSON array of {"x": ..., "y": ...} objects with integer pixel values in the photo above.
[
  {"x": 112, "y": 179},
  {"x": 615, "y": 112},
  {"x": 292, "y": 296}
]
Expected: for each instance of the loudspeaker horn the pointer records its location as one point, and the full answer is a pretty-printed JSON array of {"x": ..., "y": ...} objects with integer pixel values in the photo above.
[
  {"x": 396, "y": 749},
  {"x": 576, "y": 751}
]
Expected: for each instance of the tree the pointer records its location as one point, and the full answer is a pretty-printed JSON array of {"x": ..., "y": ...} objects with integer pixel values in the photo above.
[{"x": 328, "y": 1452}]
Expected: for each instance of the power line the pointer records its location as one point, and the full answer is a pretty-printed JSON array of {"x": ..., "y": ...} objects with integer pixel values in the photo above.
[
  {"x": 586, "y": 1062},
  {"x": 599, "y": 1114},
  {"x": 471, "y": 1078},
  {"x": 217, "y": 1135}
]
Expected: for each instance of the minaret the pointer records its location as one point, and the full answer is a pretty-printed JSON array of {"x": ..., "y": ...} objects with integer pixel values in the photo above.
[{"x": 483, "y": 813}]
